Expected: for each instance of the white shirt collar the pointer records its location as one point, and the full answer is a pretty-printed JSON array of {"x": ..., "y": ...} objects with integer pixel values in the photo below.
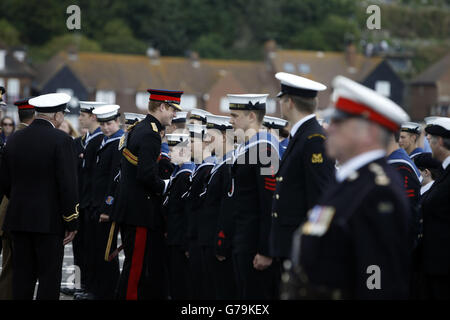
[
  {"x": 446, "y": 162},
  {"x": 426, "y": 187},
  {"x": 296, "y": 126},
  {"x": 357, "y": 162}
]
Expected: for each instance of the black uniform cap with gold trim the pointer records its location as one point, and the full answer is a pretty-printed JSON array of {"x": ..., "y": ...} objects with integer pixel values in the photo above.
[
  {"x": 439, "y": 127},
  {"x": 51, "y": 102},
  {"x": 180, "y": 117},
  {"x": 221, "y": 123},
  {"x": 196, "y": 130},
  {"x": 174, "y": 139},
  {"x": 89, "y": 106},
  {"x": 172, "y": 98},
  {"x": 131, "y": 118},
  {"x": 107, "y": 112},
  {"x": 274, "y": 123},
  {"x": 199, "y": 114},
  {"x": 298, "y": 86},
  {"x": 411, "y": 127},
  {"x": 247, "y": 101}
]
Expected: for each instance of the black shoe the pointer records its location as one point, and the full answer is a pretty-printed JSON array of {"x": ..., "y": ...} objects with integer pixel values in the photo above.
[{"x": 68, "y": 291}]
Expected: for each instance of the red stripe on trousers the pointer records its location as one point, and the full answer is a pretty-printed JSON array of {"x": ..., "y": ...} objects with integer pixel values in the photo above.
[{"x": 136, "y": 263}]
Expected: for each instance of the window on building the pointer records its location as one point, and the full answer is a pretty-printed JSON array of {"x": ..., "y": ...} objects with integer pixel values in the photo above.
[
  {"x": 289, "y": 67},
  {"x": 107, "y": 96},
  {"x": 13, "y": 89},
  {"x": 271, "y": 106},
  {"x": 383, "y": 88},
  {"x": 142, "y": 100},
  {"x": 188, "y": 101},
  {"x": 304, "y": 68},
  {"x": 73, "y": 103},
  {"x": 224, "y": 105},
  {"x": 2, "y": 59}
]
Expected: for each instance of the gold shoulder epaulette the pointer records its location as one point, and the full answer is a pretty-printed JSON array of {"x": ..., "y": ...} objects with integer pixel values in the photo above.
[
  {"x": 381, "y": 179},
  {"x": 132, "y": 126},
  {"x": 317, "y": 135},
  {"x": 155, "y": 128}
]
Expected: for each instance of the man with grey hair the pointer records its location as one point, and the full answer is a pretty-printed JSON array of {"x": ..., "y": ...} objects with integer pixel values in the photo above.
[
  {"x": 42, "y": 213},
  {"x": 436, "y": 215},
  {"x": 354, "y": 244}
]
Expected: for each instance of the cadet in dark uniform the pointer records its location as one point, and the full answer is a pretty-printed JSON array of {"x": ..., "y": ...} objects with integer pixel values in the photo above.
[
  {"x": 355, "y": 242},
  {"x": 305, "y": 170},
  {"x": 136, "y": 210},
  {"x": 430, "y": 169},
  {"x": 411, "y": 179},
  {"x": 198, "y": 116},
  {"x": 105, "y": 273},
  {"x": 132, "y": 118},
  {"x": 39, "y": 178},
  {"x": 278, "y": 128},
  {"x": 409, "y": 138},
  {"x": 201, "y": 156},
  {"x": 87, "y": 158},
  {"x": 253, "y": 182},
  {"x": 176, "y": 219},
  {"x": 218, "y": 271},
  {"x": 436, "y": 215},
  {"x": 165, "y": 165}
]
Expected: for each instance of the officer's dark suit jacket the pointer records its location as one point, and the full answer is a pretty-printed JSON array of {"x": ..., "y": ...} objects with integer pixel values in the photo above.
[
  {"x": 136, "y": 203},
  {"x": 194, "y": 203},
  {"x": 304, "y": 173},
  {"x": 436, "y": 226},
  {"x": 87, "y": 170},
  {"x": 38, "y": 174},
  {"x": 369, "y": 227},
  {"x": 106, "y": 168},
  {"x": 174, "y": 209},
  {"x": 252, "y": 198}
]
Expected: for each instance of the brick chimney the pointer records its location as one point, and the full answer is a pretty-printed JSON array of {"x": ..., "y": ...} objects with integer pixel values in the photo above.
[
  {"x": 270, "y": 53},
  {"x": 195, "y": 59},
  {"x": 350, "y": 55}
]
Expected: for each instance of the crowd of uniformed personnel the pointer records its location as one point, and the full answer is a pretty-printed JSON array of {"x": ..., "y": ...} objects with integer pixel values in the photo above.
[{"x": 348, "y": 203}]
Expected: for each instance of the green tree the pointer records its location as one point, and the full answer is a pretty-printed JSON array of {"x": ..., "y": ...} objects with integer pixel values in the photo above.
[
  {"x": 40, "y": 54},
  {"x": 8, "y": 34},
  {"x": 118, "y": 37}
]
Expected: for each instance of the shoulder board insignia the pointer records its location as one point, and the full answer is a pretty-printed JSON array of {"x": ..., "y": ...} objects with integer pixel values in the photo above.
[
  {"x": 317, "y": 158},
  {"x": 123, "y": 141},
  {"x": 317, "y": 135},
  {"x": 155, "y": 128},
  {"x": 131, "y": 127},
  {"x": 381, "y": 178}
]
